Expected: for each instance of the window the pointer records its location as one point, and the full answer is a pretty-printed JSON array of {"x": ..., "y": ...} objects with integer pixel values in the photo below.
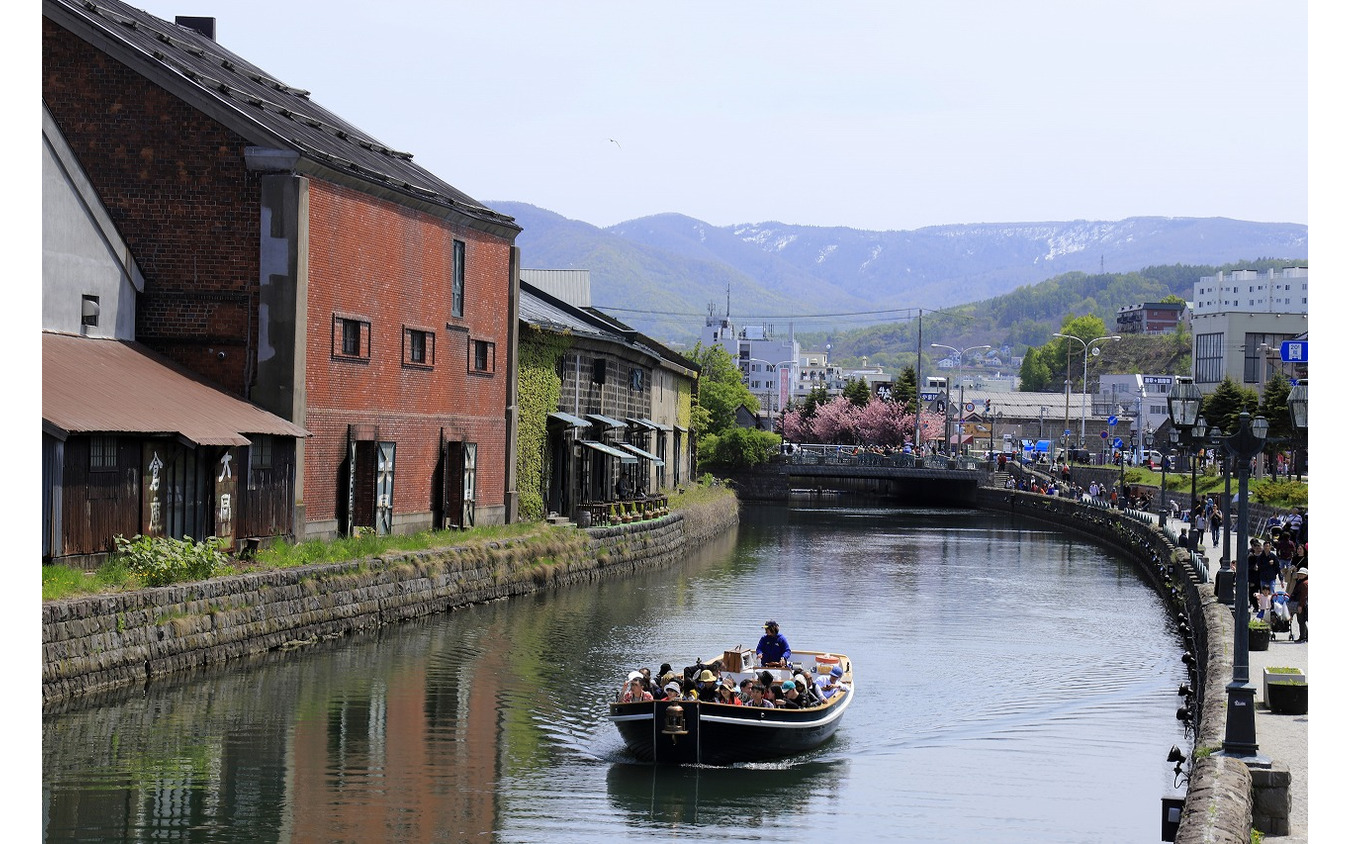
[
  {"x": 102, "y": 454},
  {"x": 419, "y": 347},
  {"x": 1208, "y": 358},
  {"x": 1253, "y": 360},
  {"x": 636, "y": 378},
  {"x": 457, "y": 283},
  {"x": 484, "y": 356},
  {"x": 351, "y": 337}
]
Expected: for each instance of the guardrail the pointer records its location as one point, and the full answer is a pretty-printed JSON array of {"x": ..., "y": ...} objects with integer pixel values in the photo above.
[{"x": 847, "y": 455}]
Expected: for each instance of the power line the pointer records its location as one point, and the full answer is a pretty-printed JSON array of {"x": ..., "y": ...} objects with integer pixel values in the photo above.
[{"x": 742, "y": 318}]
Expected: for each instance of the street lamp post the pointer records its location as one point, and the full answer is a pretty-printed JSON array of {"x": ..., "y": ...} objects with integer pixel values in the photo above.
[
  {"x": 960, "y": 374},
  {"x": 1087, "y": 344},
  {"x": 1298, "y": 414},
  {"x": 1173, "y": 436},
  {"x": 1240, "y": 729}
]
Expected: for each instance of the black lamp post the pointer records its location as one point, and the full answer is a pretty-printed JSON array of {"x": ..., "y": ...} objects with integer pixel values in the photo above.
[
  {"x": 1183, "y": 408},
  {"x": 1240, "y": 730},
  {"x": 1173, "y": 437}
]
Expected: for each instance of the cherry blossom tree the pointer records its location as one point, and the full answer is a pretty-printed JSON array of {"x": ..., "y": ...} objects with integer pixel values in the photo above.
[
  {"x": 836, "y": 421},
  {"x": 796, "y": 427},
  {"x": 883, "y": 423}
]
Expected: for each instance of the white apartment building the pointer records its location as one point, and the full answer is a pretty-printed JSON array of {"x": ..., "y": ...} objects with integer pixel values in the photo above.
[
  {"x": 1239, "y": 320},
  {"x": 767, "y": 363}
]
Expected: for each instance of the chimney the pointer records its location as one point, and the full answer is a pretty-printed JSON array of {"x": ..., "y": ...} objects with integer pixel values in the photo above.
[{"x": 206, "y": 26}]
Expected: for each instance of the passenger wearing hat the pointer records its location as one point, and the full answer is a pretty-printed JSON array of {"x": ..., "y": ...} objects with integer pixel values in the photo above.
[
  {"x": 673, "y": 690},
  {"x": 792, "y": 699},
  {"x": 772, "y": 649},
  {"x": 706, "y": 685},
  {"x": 636, "y": 692},
  {"x": 829, "y": 685}
]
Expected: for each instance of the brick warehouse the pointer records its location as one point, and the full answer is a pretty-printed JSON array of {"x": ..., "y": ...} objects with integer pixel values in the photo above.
[{"x": 302, "y": 265}]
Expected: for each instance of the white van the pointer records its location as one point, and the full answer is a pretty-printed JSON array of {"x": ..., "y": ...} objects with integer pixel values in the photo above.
[{"x": 1153, "y": 459}]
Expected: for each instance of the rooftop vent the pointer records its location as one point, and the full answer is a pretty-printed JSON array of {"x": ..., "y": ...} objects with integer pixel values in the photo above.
[{"x": 206, "y": 26}]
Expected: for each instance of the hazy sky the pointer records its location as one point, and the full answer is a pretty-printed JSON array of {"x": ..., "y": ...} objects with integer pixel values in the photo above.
[{"x": 879, "y": 115}]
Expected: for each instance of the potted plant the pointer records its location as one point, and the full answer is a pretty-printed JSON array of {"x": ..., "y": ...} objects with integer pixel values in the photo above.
[
  {"x": 1288, "y": 697},
  {"x": 1279, "y": 675},
  {"x": 1258, "y": 635}
]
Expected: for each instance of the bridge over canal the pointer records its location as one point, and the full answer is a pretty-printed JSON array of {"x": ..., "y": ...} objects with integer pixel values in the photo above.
[{"x": 831, "y": 470}]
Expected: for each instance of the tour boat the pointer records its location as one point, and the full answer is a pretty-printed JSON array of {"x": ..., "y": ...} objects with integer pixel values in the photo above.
[{"x": 698, "y": 732}]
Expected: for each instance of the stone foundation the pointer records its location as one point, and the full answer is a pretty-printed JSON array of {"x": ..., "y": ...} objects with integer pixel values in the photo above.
[{"x": 103, "y": 643}]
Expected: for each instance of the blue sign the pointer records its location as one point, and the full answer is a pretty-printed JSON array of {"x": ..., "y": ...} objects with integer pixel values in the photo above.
[
  {"x": 1294, "y": 351},
  {"x": 1111, "y": 420},
  {"x": 1119, "y": 443},
  {"x": 928, "y": 396},
  {"x": 1103, "y": 435},
  {"x": 1068, "y": 433}
]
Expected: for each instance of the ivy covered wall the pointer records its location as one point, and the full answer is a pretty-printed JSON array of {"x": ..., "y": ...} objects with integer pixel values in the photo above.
[{"x": 539, "y": 393}]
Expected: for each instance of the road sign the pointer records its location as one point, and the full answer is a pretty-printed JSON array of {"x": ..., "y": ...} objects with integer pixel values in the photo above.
[
  {"x": 1119, "y": 443},
  {"x": 1103, "y": 435},
  {"x": 1068, "y": 433},
  {"x": 970, "y": 407},
  {"x": 1111, "y": 420},
  {"x": 1294, "y": 351},
  {"x": 928, "y": 396}
]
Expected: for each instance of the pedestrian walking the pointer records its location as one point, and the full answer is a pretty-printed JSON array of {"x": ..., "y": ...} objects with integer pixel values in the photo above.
[{"x": 1215, "y": 523}]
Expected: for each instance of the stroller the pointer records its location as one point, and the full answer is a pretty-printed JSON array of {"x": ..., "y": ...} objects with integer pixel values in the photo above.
[{"x": 1279, "y": 612}]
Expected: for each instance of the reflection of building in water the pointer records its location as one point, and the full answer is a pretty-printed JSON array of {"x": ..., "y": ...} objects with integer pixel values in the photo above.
[{"x": 391, "y": 760}]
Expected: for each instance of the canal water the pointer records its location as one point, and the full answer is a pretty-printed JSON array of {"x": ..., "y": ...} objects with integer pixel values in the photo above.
[{"x": 1013, "y": 685}]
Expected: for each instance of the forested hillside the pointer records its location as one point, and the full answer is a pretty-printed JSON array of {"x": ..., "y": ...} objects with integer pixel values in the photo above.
[{"x": 1029, "y": 315}]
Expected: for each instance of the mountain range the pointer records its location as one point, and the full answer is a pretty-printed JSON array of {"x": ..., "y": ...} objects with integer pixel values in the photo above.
[{"x": 664, "y": 273}]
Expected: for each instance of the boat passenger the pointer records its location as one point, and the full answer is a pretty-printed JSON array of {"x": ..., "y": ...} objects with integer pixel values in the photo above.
[
  {"x": 773, "y": 649},
  {"x": 706, "y": 686},
  {"x": 830, "y": 685},
  {"x": 725, "y": 694},
  {"x": 757, "y": 697},
  {"x": 792, "y": 699},
  {"x": 635, "y": 692},
  {"x": 673, "y": 690},
  {"x": 807, "y": 688},
  {"x": 623, "y": 689}
]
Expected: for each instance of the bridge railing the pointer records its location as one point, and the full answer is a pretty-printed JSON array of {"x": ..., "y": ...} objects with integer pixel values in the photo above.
[{"x": 848, "y": 455}]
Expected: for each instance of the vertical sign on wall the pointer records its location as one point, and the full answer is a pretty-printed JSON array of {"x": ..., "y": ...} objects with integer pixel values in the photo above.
[
  {"x": 226, "y": 488},
  {"x": 470, "y": 481},
  {"x": 351, "y": 482},
  {"x": 384, "y": 489},
  {"x": 152, "y": 496}
]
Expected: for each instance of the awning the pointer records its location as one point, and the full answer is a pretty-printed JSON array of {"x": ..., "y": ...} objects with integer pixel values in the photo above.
[
  {"x": 610, "y": 450},
  {"x": 681, "y": 429},
  {"x": 98, "y": 386},
  {"x": 646, "y": 455},
  {"x": 569, "y": 419},
  {"x": 643, "y": 423},
  {"x": 607, "y": 421}
]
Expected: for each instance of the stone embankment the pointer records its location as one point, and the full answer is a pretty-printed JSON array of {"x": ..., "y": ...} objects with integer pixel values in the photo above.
[
  {"x": 104, "y": 643},
  {"x": 1222, "y": 791}
]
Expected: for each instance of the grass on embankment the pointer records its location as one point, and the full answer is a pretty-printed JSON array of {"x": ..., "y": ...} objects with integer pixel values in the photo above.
[{"x": 61, "y": 581}]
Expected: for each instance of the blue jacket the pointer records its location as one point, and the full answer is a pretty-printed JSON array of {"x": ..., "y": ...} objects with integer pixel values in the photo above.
[{"x": 773, "y": 648}]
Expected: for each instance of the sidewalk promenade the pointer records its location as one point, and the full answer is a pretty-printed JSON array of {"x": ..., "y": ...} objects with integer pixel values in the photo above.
[{"x": 1282, "y": 738}]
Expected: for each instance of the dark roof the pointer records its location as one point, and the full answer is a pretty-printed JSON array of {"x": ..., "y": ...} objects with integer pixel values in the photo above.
[
  {"x": 98, "y": 386},
  {"x": 259, "y": 107}
]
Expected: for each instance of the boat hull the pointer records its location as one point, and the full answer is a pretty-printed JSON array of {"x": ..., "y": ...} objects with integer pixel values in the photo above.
[{"x": 723, "y": 734}]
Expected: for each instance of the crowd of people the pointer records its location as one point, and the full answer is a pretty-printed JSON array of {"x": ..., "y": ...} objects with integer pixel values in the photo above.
[
  {"x": 1277, "y": 572},
  {"x": 710, "y": 683}
]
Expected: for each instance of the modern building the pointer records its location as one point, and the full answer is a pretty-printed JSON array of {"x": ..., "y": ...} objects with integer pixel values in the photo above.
[
  {"x": 767, "y": 362},
  {"x": 302, "y": 265},
  {"x": 1150, "y": 318},
  {"x": 1240, "y": 320}
]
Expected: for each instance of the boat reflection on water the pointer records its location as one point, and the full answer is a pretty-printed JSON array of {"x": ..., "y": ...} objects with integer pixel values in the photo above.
[{"x": 687, "y": 794}]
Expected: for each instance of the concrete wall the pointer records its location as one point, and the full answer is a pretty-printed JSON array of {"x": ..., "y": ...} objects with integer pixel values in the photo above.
[{"x": 105, "y": 643}]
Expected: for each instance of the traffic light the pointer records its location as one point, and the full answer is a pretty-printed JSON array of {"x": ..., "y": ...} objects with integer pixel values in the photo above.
[{"x": 987, "y": 405}]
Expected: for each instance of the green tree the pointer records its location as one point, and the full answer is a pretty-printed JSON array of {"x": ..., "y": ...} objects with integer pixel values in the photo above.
[
  {"x": 1228, "y": 400},
  {"x": 1275, "y": 407},
  {"x": 1035, "y": 374},
  {"x": 856, "y": 391},
  {"x": 907, "y": 388},
  {"x": 738, "y": 448},
  {"x": 814, "y": 399},
  {"x": 720, "y": 390}
]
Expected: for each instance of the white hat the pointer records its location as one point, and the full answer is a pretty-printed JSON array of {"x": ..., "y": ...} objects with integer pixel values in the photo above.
[{"x": 635, "y": 675}]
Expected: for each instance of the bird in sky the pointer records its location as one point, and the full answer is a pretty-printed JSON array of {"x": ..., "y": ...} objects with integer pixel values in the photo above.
[{"x": 616, "y": 143}]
